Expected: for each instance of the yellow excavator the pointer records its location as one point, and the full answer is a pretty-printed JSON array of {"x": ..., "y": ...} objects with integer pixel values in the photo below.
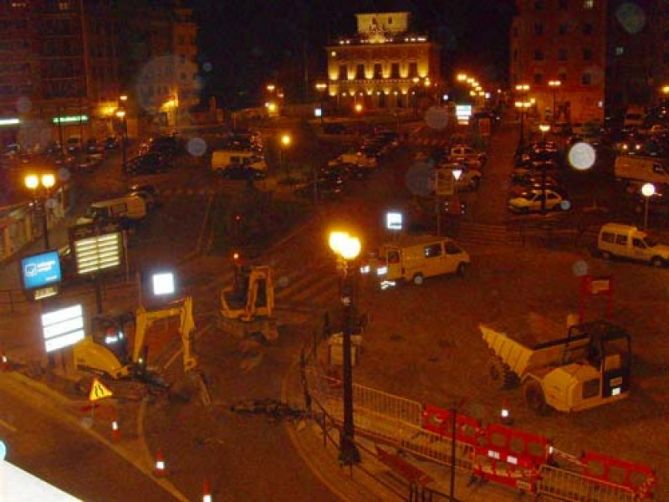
[
  {"x": 110, "y": 356},
  {"x": 247, "y": 306}
]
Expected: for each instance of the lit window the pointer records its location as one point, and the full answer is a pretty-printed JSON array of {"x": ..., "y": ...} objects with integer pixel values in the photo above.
[
  {"x": 620, "y": 50},
  {"x": 18, "y": 5},
  {"x": 588, "y": 4},
  {"x": 64, "y": 5}
]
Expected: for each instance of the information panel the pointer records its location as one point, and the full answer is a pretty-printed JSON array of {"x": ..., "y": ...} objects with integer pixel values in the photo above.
[
  {"x": 40, "y": 270},
  {"x": 98, "y": 253},
  {"x": 63, "y": 327}
]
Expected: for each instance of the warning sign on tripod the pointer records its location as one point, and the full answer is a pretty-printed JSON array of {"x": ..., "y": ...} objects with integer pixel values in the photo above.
[{"x": 99, "y": 391}]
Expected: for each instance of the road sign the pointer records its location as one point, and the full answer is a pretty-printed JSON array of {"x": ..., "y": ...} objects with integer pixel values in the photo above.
[
  {"x": 445, "y": 182},
  {"x": 99, "y": 391}
]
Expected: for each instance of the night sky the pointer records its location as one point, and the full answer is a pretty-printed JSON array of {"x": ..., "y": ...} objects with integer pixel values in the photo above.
[{"x": 250, "y": 42}]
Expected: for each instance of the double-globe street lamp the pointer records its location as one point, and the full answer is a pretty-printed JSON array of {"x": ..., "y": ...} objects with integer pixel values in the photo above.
[
  {"x": 46, "y": 182},
  {"x": 347, "y": 248}
]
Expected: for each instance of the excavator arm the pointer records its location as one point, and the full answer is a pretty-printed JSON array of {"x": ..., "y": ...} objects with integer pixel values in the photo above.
[{"x": 144, "y": 319}]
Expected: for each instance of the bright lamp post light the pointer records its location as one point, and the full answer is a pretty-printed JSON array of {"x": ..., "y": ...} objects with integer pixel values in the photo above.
[
  {"x": 33, "y": 183},
  {"x": 647, "y": 190},
  {"x": 347, "y": 248},
  {"x": 284, "y": 142},
  {"x": 321, "y": 87},
  {"x": 544, "y": 128}
]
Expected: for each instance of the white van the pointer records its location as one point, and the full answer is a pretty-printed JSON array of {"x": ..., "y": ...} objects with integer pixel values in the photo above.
[
  {"x": 414, "y": 258},
  {"x": 627, "y": 241},
  {"x": 634, "y": 116},
  {"x": 224, "y": 159},
  {"x": 125, "y": 210}
]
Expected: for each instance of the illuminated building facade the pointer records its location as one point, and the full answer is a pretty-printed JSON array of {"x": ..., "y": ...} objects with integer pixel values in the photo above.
[
  {"x": 384, "y": 65},
  {"x": 565, "y": 41}
]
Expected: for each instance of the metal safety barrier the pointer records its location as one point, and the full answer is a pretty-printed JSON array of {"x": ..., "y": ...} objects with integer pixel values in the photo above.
[{"x": 572, "y": 486}]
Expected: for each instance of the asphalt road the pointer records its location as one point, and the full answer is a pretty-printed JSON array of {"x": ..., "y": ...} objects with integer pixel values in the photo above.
[{"x": 41, "y": 441}]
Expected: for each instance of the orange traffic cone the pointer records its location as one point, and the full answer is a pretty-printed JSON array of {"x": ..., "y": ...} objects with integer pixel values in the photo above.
[
  {"x": 206, "y": 491},
  {"x": 159, "y": 469},
  {"x": 115, "y": 432},
  {"x": 505, "y": 414},
  {"x": 4, "y": 360}
]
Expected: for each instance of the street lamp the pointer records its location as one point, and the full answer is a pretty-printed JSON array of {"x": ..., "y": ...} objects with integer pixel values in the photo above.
[
  {"x": 347, "y": 248},
  {"x": 321, "y": 87},
  {"x": 647, "y": 190},
  {"x": 33, "y": 182},
  {"x": 544, "y": 128},
  {"x": 284, "y": 142},
  {"x": 554, "y": 84},
  {"x": 523, "y": 87},
  {"x": 270, "y": 87},
  {"x": 358, "y": 110},
  {"x": 124, "y": 135},
  {"x": 522, "y": 107}
]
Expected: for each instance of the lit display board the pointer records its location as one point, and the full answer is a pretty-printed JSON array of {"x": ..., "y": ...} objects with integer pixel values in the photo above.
[
  {"x": 40, "y": 270},
  {"x": 98, "y": 252},
  {"x": 63, "y": 327}
]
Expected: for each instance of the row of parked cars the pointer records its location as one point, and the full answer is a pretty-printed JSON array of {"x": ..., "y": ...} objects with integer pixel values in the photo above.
[
  {"x": 156, "y": 155},
  {"x": 534, "y": 180}
]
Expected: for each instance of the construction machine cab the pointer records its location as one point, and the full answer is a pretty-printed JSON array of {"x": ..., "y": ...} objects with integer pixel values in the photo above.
[
  {"x": 118, "y": 362},
  {"x": 252, "y": 294}
]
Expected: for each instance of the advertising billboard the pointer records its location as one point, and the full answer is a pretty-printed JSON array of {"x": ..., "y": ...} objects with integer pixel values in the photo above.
[{"x": 41, "y": 270}]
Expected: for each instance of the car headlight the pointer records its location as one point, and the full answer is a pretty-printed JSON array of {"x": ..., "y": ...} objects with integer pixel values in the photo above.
[{"x": 382, "y": 271}]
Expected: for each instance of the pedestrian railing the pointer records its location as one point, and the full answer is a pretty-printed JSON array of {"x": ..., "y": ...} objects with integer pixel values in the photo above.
[{"x": 572, "y": 486}]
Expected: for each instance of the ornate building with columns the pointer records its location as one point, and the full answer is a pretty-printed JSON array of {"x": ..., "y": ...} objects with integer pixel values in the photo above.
[{"x": 384, "y": 65}]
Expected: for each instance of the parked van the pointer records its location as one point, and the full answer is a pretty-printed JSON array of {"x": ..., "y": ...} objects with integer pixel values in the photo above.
[
  {"x": 224, "y": 159},
  {"x": 126, "y": 210},
  {"x": 642, "y": 169},
  {"x": 414, "y": 258},
  {"x": 627, "y": 241},
  {"x": 634, "y": 116}
]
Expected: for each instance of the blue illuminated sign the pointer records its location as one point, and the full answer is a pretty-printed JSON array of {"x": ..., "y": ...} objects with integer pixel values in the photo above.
[{"x": 40, "y": 270}]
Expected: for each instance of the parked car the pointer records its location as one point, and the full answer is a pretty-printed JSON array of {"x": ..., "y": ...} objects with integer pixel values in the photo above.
[
  {"x": 112, "y": 143},
  {"x": 327, "y": 187},
  {"x": 146, "y": 192},
  {"x": 241, "y": 172},
  {"x": 531, "y": 201},
  {"x": 148, "y": 163}
]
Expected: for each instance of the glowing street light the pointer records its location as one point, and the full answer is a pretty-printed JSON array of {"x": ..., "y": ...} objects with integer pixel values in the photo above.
[
  {"x": 270, "y": 87},
  {"x": 347, "y": 248},
  {"x": 33, "y": 182},
  {"x": 522, "y": 87},
  {"x": 544, "y": 128},
  {"x": 461, "y": 77},
  {"x": 647, "y": 190},
  {"x": 286, "y": 139}
]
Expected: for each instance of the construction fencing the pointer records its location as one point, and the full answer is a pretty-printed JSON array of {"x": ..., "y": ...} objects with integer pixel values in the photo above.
[{"x": 522, "y": 461}]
